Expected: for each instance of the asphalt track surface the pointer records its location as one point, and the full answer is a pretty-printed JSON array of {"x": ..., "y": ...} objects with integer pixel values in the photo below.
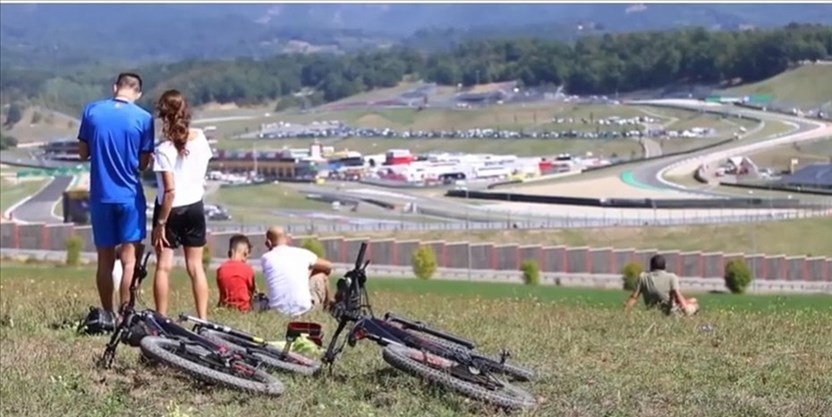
[
  {"x": 38, "y": 208},
  {"x": 647, "y": 175}
]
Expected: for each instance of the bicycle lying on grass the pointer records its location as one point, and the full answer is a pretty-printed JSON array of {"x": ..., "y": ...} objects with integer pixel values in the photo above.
[
  {"x": 416, "y": 349},
  {"x": 281, "y": 360},
  {"x": 162, "y": 340}
]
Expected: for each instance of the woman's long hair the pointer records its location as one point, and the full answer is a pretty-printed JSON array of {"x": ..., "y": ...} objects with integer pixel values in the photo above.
[{"x": 175, "y": 113}]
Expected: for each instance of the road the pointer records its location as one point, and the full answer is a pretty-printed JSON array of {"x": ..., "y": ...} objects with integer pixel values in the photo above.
[
  {"x": 647, "y": 174},
  {"x": 38, "y": 208},
  {"x": 650, "y": 173}
]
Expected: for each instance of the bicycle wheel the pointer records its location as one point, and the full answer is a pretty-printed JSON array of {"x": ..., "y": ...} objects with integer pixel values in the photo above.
[
  {"x": 271, "y": 357},
  {"x": 437, "y": 370},
  {"x": 191, "y": 360},
  {"x": 517, "y": 372}
]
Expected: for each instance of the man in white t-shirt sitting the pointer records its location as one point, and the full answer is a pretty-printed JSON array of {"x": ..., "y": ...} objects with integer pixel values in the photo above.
[{"x": 297, "y": 280}]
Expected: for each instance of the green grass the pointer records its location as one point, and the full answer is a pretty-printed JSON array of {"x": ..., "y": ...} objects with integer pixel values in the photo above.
[
  {"x": 742, "y": 355},
  {"x": 11, "y": 192},
  {"x": 261, "y": 205},
  {"x": 600, "y": 298},
  {"x": 809, "y": 85},
  {"x": 806, "y": 153},
  {"x": 790, "y": 237},
  {"x": 49, "y": 126}
]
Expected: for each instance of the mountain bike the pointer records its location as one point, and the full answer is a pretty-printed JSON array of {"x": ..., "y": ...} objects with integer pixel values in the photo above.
[
  {"x": 409, "y": 350},
  {"x": 162, "y": 340},
  {"x": 281, "y": 360},
  {"x": 495, "y": 365}
]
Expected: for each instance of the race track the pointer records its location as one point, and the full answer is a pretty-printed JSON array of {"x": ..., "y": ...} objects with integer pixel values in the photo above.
[
  {"x": 644, "y": 180},
  {"x": 38, "y": 208}
]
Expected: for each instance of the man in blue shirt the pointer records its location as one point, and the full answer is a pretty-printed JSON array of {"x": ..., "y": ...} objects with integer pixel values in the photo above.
[{"x": 117, "y": 136}]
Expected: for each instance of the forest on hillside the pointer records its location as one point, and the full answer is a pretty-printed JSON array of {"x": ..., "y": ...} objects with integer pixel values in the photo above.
[{"x": 590, "y": 65}]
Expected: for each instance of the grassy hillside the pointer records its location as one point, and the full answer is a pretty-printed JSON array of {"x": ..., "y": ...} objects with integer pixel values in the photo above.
[
  {"x": 753, "y": 355},
  {"x": 806, "y": 86}
]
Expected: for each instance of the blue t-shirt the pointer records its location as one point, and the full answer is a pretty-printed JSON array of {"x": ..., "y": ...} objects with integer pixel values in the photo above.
[{"x": 117, "y": 132}]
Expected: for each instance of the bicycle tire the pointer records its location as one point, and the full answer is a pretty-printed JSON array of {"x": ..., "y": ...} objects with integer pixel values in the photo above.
[
  {"x": 516, "y": 372},
  {"x": 165, "y": 350},
  {"x": 508, "y": 396},
  {"x": 273, "y": 360}
]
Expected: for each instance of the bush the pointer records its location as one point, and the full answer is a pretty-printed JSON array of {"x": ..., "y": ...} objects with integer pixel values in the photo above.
[
  {"x": 630, "y": 275},
  {"x": 315, "y": 246},
  {"x": 531, "y": 272},
  {"x": 74, "y": 245},
  {"x": 207, "y": 257},
  {"x": 424, "y": 262},
  {"x": 737, "y": 276}
]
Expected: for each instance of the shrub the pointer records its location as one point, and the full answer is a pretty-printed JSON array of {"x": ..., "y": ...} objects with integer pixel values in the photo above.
[
  {"x": 315, "y": 246},
  {"x": 74, "y": 245},
  {"x": 737, "y": 276},
  {"x": 424, "y": 262},
  {"x": 531, "y": 272},
  {"x": 630, "y": 275},
  {"x": 207, "y": 256}
]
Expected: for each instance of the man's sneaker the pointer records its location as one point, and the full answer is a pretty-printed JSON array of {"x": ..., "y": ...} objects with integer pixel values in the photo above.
[{"x": 97, "y": 322}]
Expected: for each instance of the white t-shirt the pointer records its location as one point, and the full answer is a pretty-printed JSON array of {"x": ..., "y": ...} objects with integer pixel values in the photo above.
[
  {"x": 188, "y": 170},
  {"x": 286, "y": 270}
]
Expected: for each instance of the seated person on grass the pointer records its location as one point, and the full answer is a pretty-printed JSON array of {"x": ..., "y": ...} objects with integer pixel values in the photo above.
[
  {"x": 297, "y": 280},
  {"x": 661, "y": 289},
  {"x": 235, "y": 277}
]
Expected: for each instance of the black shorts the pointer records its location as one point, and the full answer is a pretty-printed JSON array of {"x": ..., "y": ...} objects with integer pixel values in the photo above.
[{"x": 186, "y": 225}]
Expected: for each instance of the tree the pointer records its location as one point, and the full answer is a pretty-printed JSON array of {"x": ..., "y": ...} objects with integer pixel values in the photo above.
[
  {"x": 531, "y": 272},
  {"x": 7, "y": 142},
  {"x": 630, "y": 275},
  {"x": 737, "y": 276},
  {"x": 13, "y": 115},
  {"x": 315, "y": 246},
  {"x": 424, "y": 262},
  {"x": 591, "y": 65},
  {"x": 74, "y": 245}
]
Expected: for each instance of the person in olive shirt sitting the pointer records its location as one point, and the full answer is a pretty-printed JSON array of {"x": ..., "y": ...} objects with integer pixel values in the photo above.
[{"x": 660, "y": 289}]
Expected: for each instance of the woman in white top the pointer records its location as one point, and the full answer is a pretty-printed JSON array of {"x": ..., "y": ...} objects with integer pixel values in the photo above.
[{"x": 180, "y": 163}]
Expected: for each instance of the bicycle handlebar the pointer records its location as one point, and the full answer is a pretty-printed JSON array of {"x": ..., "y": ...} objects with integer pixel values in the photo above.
[{"x": 360, "y": 258}]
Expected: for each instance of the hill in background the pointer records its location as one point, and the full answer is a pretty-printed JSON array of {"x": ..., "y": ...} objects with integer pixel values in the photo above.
[
  {"x": 33, "y": 35},
  {"x": 806, "y": 86}
]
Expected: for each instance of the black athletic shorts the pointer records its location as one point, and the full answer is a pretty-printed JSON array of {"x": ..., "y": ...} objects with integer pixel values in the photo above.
[{"x": 185, "y": 226}]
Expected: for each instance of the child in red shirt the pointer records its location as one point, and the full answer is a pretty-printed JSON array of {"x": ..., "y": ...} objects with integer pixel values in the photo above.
[{"x": 235, "y": 277}]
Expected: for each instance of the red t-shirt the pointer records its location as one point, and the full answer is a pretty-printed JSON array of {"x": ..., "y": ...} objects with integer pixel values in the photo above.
[{"x": 235, "y": 280}]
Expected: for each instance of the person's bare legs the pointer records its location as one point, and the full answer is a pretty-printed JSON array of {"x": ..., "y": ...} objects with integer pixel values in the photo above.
[
  {"x": 199, "y": 283},
  {"x": 320, "y": 291},
  {"x": 161, "y": 279},
  {"x": 104, "y": 277},
  {"x": 128, "y": 264}
]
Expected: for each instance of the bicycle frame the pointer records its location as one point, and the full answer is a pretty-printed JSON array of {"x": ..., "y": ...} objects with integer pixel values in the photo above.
[
  {"x": 355, "y": 308},
  {"x": 157, "y": 324}
]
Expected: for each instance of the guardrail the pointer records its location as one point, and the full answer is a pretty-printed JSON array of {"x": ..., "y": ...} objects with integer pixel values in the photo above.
[
  {"x": 788, "y": 189},
  {"x": 644, "y": 203}
]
